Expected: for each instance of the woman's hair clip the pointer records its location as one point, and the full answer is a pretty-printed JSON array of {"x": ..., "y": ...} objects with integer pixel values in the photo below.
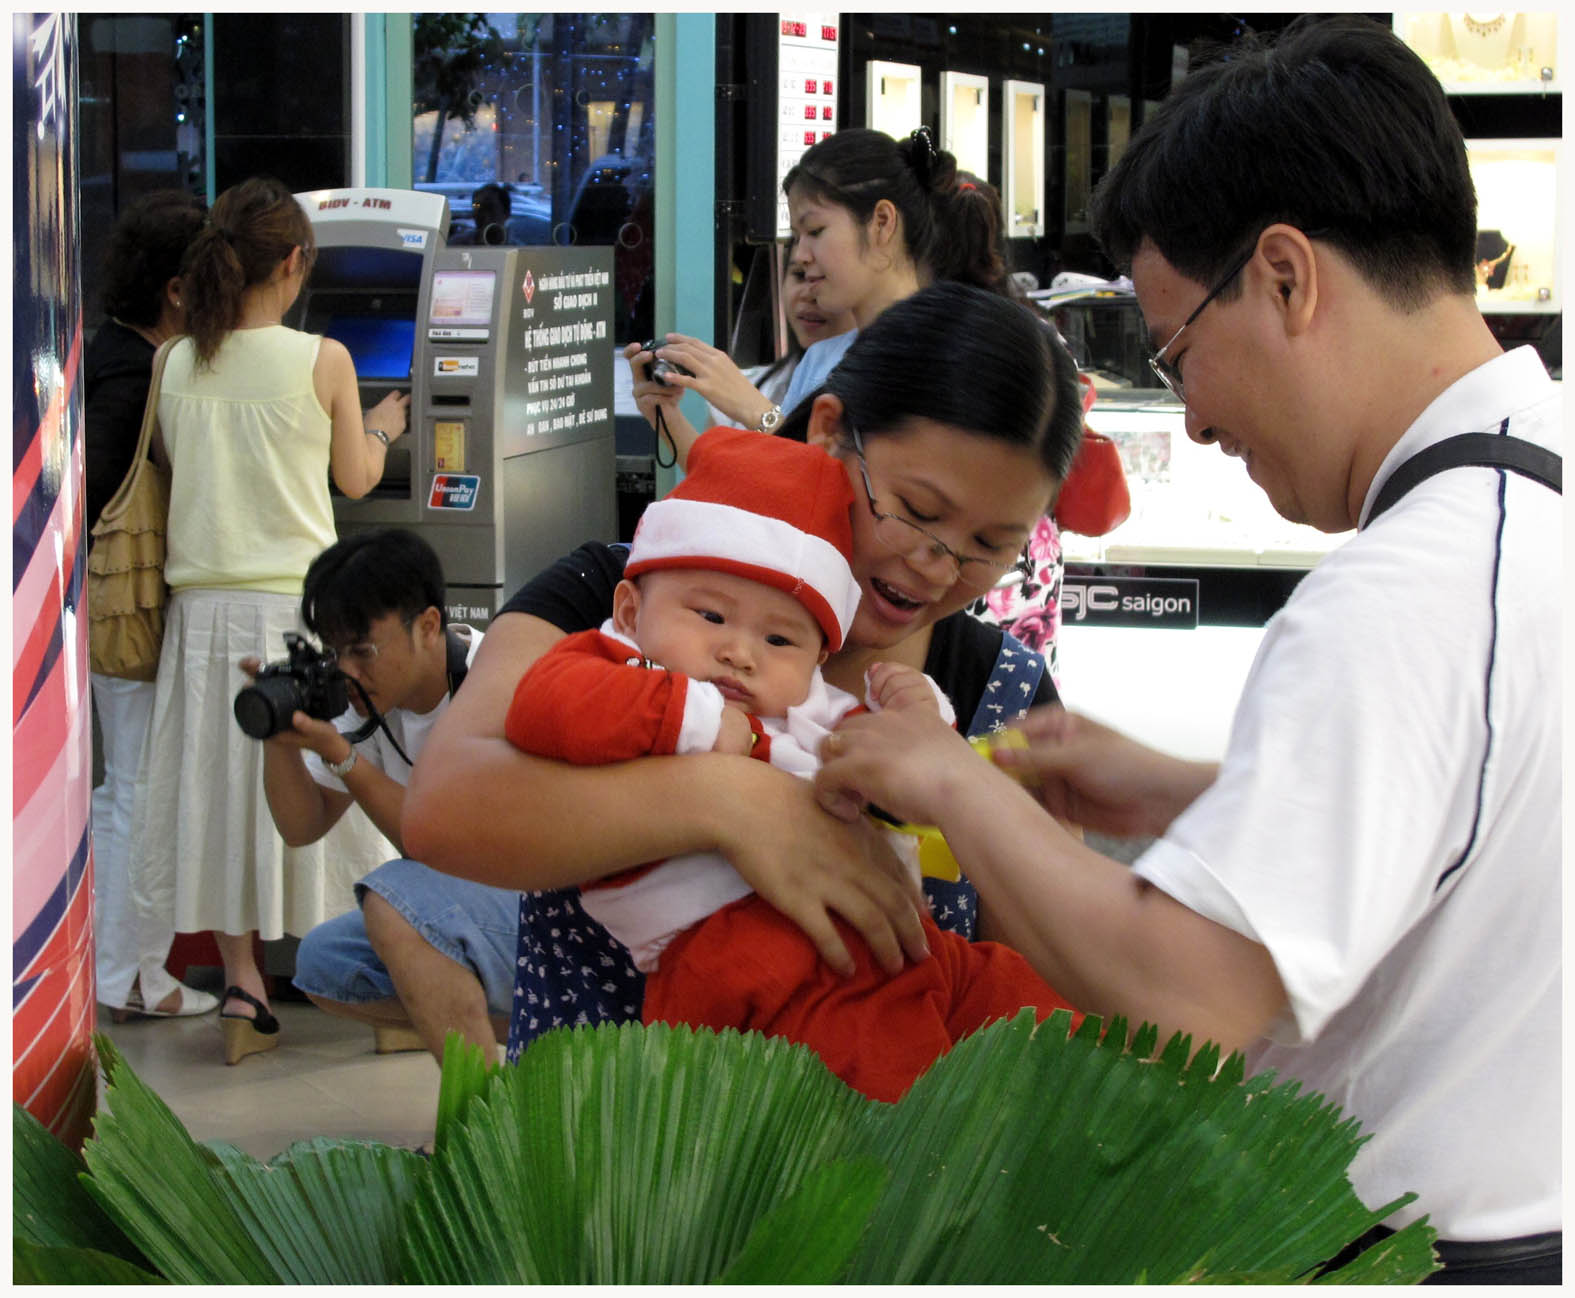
[
  {"x": 967, "y": 184},
  {"x": 922, "y": 134}
]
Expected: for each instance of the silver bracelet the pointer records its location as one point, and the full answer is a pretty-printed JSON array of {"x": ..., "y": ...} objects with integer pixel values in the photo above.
[{"x": 379, "y": 434}]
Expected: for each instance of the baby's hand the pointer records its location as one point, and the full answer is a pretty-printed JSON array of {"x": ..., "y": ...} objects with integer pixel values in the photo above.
[
  {"x": 734, "y": 735},
  {"x": 897, "y": 686}
]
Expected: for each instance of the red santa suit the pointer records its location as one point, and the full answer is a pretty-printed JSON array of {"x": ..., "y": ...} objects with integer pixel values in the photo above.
[{"x": 716, "y": 954}]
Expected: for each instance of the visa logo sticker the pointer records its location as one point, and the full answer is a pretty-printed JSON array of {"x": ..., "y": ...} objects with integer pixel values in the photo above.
[
  {"x": 454, "y": 491},
  {"x": 413, "y": 238}
]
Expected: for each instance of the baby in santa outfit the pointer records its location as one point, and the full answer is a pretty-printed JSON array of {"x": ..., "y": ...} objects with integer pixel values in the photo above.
[{"x": 737, "y": 586}]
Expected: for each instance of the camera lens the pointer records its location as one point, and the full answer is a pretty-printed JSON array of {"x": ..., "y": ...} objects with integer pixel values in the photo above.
[{"x": 265, "y": 707}]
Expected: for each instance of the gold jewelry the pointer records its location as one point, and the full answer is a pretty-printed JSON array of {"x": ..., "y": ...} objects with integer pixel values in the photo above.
[{"x": 1484, "y": 26}]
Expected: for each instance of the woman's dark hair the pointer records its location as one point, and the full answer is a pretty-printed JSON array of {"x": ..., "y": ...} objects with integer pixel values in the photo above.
[
  {"x": 963, "y": 356},
  {"x": 858, "y": 167},
  {"x": 145, "y": 251},
  {"x": 1337, "y": 128},
  {"x": 252, "y": 228},
  {"x": 975, "y": 225},
  {"x": 369, "y": 575}
]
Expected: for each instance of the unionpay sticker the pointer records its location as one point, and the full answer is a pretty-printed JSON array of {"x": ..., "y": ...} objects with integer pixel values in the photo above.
[{"x": 454, "y": 491}]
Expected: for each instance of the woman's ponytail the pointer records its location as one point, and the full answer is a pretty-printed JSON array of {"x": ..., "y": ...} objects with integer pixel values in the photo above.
[
  {"x": 253, "y": 227},
  {"x": 969, "y": 233}
]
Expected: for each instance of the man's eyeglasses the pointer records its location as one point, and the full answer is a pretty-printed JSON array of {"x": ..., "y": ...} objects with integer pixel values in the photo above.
[
  {"x": 364, "y": 652},
  {"x": 1167, "y": 373},
  {"x": 903, "y": 536}
]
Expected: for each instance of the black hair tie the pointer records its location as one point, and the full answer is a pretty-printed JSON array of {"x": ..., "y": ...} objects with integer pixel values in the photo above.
[{"x": 921, "y": 154}]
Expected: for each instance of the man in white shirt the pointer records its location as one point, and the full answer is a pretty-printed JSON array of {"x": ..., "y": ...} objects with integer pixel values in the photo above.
[
  {"x": 1365, "y": 893},
  {"x": 425, "y": 952}
]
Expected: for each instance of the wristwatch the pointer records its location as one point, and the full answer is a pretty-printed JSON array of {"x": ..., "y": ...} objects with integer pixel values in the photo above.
[
  {"x": 769, "y": 421},
  {"x": 379, "y": 434},
  {"x": 342, "y": 769}
]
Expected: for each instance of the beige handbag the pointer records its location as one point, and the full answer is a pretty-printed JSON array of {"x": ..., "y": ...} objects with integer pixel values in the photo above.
[{"x": 126, "y": 593}]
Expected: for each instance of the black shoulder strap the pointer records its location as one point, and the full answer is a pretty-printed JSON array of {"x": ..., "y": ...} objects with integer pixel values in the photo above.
[
  {"x": 1482, "y": 450},
  {"x": 458, "y": 653}
]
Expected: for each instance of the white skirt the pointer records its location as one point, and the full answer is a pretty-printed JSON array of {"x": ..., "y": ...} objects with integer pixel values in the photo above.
[{"x": 204, "y": 850}]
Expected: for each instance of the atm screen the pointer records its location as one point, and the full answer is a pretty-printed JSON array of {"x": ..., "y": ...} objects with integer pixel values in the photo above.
[
  {"x": 380, "y": 347},
  {"x": 463, "y": 297}
]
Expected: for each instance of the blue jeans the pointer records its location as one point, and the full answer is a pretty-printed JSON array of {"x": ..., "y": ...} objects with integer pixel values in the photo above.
[{"x": 470, "y": 923}]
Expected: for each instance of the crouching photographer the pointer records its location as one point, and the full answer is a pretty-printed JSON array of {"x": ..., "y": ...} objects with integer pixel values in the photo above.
[{"x": 425, "y": 952}]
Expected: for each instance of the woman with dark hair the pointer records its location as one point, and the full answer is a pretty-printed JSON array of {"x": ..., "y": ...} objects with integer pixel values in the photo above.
[
  {"x": 955, "y": 416},
  {"x": 873, "y": 219},
  {"x": 143, "y": 300},
  {"x": 254, "y": 417}
]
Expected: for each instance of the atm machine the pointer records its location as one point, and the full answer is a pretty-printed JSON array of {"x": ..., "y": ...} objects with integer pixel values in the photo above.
[{"x": 507, "y": 354}]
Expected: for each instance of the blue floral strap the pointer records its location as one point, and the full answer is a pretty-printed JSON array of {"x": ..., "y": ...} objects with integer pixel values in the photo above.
[{"x": 1009, "y": 693}]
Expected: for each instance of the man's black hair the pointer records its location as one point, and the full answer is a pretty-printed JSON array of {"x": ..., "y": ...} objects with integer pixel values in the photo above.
[
  {"x": 1337, "y": 128},
  {"x": 366, "y": 576}
]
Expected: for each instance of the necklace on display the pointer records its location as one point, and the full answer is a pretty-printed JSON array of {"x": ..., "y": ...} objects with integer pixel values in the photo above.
[{"x": 1483, "y": 24}]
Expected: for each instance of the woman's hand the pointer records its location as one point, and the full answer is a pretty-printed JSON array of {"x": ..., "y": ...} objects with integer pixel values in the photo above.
[
  {"x": 391, "y": 414},
  {"x": 649, "y": 395},
  {"x": 1087, "y": 774},
  {"x": 810, "y": 867},
  {"x": 715, "y": 377}
]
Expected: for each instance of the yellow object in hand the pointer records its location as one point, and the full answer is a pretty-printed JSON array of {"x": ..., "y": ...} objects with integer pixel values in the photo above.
[{"x": 935, "y": 854}]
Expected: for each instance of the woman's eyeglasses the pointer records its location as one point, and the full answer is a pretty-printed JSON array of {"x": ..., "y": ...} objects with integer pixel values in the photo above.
[{"x": 905, "y": 537}]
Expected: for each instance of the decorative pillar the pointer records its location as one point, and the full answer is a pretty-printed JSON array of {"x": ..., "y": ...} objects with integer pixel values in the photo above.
[{"x": 53, "y": 1070}]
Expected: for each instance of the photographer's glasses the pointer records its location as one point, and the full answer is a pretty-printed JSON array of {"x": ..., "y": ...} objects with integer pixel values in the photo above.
[
  {"x": 364, "y": 653},
  {"x": 905, "y": 537}
]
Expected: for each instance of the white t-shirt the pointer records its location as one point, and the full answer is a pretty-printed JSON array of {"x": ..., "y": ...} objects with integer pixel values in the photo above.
[
  {"x": 409, "y": 728},
  {"x": 1401, "y": 725}
]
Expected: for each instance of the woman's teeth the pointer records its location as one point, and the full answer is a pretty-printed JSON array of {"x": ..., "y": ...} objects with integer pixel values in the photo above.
[{"x": 894, "y": 596}]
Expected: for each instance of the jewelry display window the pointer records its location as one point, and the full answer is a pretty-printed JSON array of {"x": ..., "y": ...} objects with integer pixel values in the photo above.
[
  {"x": 892, "y": 98},
  {"x": 1486, "y": 53},
  {"x": 1023, "y": 125},
  {"x": 1118, "y": 128},
  {"x": 1079, "y": 124},
  {"x": 1517, "y": 224},
  {"x": 965, "y": 120}
]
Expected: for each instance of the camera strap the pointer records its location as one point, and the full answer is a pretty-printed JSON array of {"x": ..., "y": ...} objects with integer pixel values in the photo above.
[{"x": 457, "y": 664}]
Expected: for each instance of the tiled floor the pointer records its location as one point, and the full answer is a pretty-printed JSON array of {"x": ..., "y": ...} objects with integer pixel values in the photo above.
[{"x": 323, "y": 1079}]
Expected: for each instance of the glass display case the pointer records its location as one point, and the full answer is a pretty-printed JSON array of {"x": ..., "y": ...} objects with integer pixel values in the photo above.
[
  {"x": 965, "y": 120},
  {"x": 1517, "y": 224},
  {"x": 1486, "y": 53},
  {"x": 892, "y": 97},
  {"x": 1078, "y": 123},
  {"x": 1023, "y": 128}
]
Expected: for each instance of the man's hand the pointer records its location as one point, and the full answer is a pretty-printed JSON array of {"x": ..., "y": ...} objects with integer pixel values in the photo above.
[{"x": 1087, "y": 774}]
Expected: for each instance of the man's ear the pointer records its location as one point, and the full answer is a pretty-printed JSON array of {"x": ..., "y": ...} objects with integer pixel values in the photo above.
[
  {"x": 1288, "y": 258},
  {"x": 428, "y": 624},
  {"x": 825, "y": 422},
  {"x": 626, "y": 606}
]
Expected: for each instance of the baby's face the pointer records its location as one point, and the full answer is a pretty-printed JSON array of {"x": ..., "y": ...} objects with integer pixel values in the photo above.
[{"x": 757, "y": 644}]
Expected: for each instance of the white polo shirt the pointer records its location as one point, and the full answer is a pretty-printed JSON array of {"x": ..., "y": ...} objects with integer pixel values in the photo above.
[{"x": 1401, "y": 726}]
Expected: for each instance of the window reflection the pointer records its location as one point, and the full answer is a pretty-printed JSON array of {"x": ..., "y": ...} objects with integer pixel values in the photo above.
[{"x": 538, "y": 130}]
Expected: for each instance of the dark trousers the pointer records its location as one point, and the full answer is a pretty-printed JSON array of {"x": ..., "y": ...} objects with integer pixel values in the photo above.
[{"x": 1529, "y": 1259}]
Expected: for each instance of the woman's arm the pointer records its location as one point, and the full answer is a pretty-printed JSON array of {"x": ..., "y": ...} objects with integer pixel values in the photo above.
[
  {"x": 479, "y": 808},
  {"x": 356, "y": 457},
  {"x": 715, "y": 376}
]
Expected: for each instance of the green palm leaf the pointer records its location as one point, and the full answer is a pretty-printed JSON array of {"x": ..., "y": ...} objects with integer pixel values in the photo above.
[
  {"x": 37, "y": 1264},
  {"x": 663, "y": 1155},
  {"x": 627, "y": 1155},
  {"x": 49, "y": 1206}
]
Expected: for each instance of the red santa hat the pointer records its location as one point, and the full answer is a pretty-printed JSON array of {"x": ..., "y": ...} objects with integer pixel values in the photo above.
[{"x": 762, "y": 507}]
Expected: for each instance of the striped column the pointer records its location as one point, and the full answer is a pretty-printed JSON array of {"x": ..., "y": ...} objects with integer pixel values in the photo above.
[{"x": 53, "y": 1069}]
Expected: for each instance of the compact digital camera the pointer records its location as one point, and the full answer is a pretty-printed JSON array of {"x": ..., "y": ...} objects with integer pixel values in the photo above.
[
  {"x": 307, "y": 681},
  {"x": 657, "y": 369}
]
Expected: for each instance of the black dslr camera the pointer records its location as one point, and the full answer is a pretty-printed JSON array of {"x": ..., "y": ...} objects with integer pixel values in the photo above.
[
  {"x": 657, "y": 369},
  {"x": 307, "y": 681}
]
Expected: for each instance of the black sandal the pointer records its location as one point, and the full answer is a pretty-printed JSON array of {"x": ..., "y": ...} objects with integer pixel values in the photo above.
[{"x": 243, "y": 1034}]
